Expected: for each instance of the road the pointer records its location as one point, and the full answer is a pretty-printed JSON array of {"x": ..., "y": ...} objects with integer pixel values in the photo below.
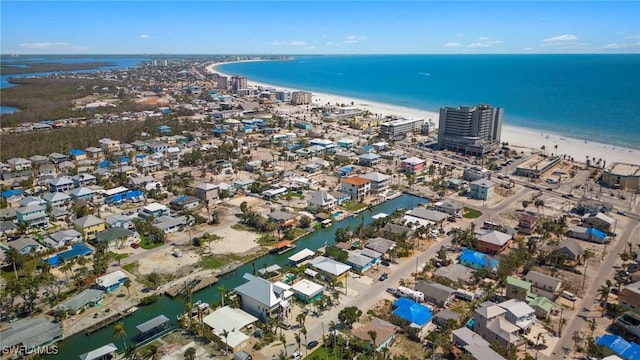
[{"x": 576, "y": 319}]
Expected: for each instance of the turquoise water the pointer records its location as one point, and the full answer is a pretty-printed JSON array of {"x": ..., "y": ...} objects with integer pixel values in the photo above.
[
  {"x": 76, "y": 345},
  {"x": 593, "y": 97},
  {"x": 336, "y": 214}
]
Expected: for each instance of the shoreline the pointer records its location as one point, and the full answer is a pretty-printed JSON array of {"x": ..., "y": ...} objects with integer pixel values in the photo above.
[{"x": 516, "y": 136}]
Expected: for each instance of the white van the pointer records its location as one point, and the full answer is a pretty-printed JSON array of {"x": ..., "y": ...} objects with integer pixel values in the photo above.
[{"x": 569, "y": 296}]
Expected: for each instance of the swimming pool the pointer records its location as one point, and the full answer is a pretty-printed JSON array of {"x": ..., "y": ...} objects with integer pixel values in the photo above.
[{"x": 336, "y": 214}]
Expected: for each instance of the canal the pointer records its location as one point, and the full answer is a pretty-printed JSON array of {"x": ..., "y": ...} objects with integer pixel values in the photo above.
[{"x": 73, "y": 347}]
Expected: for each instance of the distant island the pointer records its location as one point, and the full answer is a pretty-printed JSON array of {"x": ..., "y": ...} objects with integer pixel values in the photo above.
[{"x": 28, "y": 67}]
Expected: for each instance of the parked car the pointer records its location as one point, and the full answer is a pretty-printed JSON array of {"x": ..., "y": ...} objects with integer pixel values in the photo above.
[
  {"x": 620, "y": 212},
  {"x": 312, "y": 344},
  {"x": 296, "y": 355},
  {"x": 385, "y": 263},
  {"x": 383, "y": 277},
  {"x": 392, "y": 291},
  {"x": 135, "y": 245}
]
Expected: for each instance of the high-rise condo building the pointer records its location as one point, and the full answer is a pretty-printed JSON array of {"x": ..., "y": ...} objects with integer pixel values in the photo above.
[
  {"x": 239, "y": 82},
  {"x": 472, "y": 130},
  {"x": 301, "y": 98}
]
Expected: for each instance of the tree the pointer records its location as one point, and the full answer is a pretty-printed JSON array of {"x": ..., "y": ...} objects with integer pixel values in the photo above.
[
  {"x": 13, "y": 257},
  {"x": 349, "y": 315},
  {"x": 190, "y": 354},
  {"x": 120, "y": 333},
  {"x": 373, "y": 335},
  {"x": 603, "y": 294},
  {"x": 303, "y": 331},
  {"x": 244, "y": 207},
  {"x": 298, "y": 339},
  {"x": 127, "y": 284},
  {"x": 305, "y": 222},
  {"x": 152, "y": 352},
  {"x": 525, "y": 204},
  {"x": 225, "y": 334},
  {"x": 539, "y": 203},
  {"x": 283, "y": 340}
]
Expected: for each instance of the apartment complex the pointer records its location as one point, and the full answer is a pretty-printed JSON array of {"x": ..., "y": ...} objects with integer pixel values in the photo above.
[
  {"x": 239, "y": 82},
  {"x": 301, "y": 98},
  {"x": 398, "y": 129},
  {"x": 472, "y": 130}
]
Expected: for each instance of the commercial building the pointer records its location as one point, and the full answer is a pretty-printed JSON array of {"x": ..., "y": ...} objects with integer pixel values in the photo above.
[
  {"x": 301, "y": 98},
  {"x": 397, "y": 129},
  {"x": 482, "y": 189},
  {"x": 536, "y": 166},
  {"x": 472, "y": 130},
  {"x": 622, "y": 176}
]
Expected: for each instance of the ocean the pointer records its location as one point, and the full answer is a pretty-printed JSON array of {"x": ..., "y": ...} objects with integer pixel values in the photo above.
[{"x": 590, "y": 97}]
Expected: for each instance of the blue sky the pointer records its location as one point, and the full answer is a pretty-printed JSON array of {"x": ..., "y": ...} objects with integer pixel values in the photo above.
[{"x": 314, "y": 27}]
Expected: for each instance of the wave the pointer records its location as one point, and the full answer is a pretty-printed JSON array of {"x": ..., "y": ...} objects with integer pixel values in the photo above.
[{"x": 425, "y": 73}]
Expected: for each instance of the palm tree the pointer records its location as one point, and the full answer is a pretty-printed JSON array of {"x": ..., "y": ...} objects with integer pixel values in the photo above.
[
  {"x": 120, "y": 332},
  {"x": 190, "y": 354},
  {"x": 283, "y": 340},
  {"x": 373, "y": 335},
  {"x": 152, "y": 352},
  {"x": 603, "y": 294},
  {"x": 225, "y": 334},
  {"x": 592, "y": 326},
  {"x": 539, "y": 203},
  {"x": 303, "y": 331},
  {"x": 127, "y": 284},
  {"x": 298, "y": 339},
  {"x": 222, "y": 291}
]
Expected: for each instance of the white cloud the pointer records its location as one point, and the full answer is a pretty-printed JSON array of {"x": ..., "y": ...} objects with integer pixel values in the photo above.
[
  {"x": 352, "y": 39},
  {"x": 330, "y": 43},
  {"x": 632, "y": 37},
  {"x": 310, "y": 47},
  {"x": 52, "y": 46},
  {"x": 484, "y": 38},
  {"x": 453, "y": 44},
  {"x": 459, "y": 35},
  {"x": 289, "y": 43},
  {"x": 561, "y": 38},
  {"x": 616, "y": 46},
  {"x": 484, "y": 43},
  {"x": 144, "y": 36}
]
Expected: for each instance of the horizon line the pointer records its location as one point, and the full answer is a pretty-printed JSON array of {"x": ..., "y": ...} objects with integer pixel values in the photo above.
[{"x": 293, "y": 54}]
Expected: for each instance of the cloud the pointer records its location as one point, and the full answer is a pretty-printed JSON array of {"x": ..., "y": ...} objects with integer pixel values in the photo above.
[
  {"x": 484, "y": 38},
  {"x": 632, "y": 37},
  {"x": 616, "y": 46},
  {"x": 144, "y": 36},
  {"x": 310, "y": 47},
  {"x": 352, "y": 39},
  {"x": 484, "y": 42},
  {"x": 52, "y": 46},
  {"x": 289, "y": 43},
  {"x": 453, "y": 44},
  {"x": 561, "y": 38}
]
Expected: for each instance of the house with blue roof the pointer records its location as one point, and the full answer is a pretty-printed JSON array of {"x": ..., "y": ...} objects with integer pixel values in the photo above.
[
  {"x": 368, "y": 159},
  {"x": 623, "y": 348},
  {"x": 477, "y": 260},
  {"x": 413, "y": 312},
  {"x": 12, "y": 195},
  {"x": 77, "y": 154},
  {"x": 164, "y": 129},
  {"x": 587, "y": 234}
]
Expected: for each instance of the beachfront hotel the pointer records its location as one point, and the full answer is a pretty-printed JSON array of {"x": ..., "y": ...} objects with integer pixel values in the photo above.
[
  {"x": 397, "y": 129},
  {"x": 471, "y": 130},
  {"x": 301, "y": 98},
  {"x": 622, "y": 176}
]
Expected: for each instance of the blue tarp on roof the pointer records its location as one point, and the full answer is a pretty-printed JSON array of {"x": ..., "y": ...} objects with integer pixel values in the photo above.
[
  {"x": 105, "y": 163},
  {"x": 141, "y": 156},
  {"x": 76, "y": 250},
  {"x": 123, "y": 160},
  {"x": 477, "y": 260},
  {"x": 294, "y": 147},
  {"x": 628, "y": 351},
  {"x": 117, "y": 198},
  {"x": 218, "y": 131},
  {"x": 133, "y": 193},
  {"x": 596, "y": 232},
  {"x": 11, "y": 192},
  {"x": 76, "y": 152},
  {"x": 412, "y": 311},
  {"x": 367, "y": 148},
  {"x": 180, "y": 198}
]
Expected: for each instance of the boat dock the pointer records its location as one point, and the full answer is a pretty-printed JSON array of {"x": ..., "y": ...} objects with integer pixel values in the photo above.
[
  {"x": 196, "y": 285},
  {"x": 108, "y": 321}
]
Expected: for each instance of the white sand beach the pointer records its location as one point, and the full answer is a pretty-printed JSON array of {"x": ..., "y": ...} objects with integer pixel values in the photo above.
[{"x": 515, "y": 136}]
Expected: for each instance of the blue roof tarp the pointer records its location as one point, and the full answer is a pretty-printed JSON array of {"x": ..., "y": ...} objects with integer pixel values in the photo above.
[
  {"x": 76, "y": 250},
  {"x": 218, "y": 131},
  {"x": 412, "y": 311},
  {"x": 11, "y": 192},
  {"x": 117, "y": 198},
  {"x": 76, "y": 152},
  {"x": 141, "y": 156},
  {"x": 628, "y": 351},
  {"x": 367, "y": 148},
  {"x": 123, "y": 160},
  {"x": 133, "y": 193},
  {"x": 596, "y": 232},
  {"x": 105, "y": 163},
  {"x": 477, "y": 260}
]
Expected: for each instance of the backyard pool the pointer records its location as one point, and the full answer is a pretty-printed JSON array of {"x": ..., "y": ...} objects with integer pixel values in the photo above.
[{"x": 336, "y": 214}]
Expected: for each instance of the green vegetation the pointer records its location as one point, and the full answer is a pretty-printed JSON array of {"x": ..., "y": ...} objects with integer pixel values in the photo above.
[
  {"x": 49, "y": 67},
  {"x": 213, "y": 262},
  {"x": 146, "y": 245},
  {"x": 320, "y": 353},
  {"x": 148, "y": 300},
  {"x": 353, "y": 206},
  {"x": 116, "y": 257},
  {"x": 268, "y": 239},
  {"x": 130, "y": 268},
  {"x": 469, "y": 213},
  {"x": 292, "y": 194},
  {"x": 241, "y": 227}
]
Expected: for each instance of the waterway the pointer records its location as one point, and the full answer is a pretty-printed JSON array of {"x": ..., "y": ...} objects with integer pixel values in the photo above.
[{"x": 76, "y": 345}]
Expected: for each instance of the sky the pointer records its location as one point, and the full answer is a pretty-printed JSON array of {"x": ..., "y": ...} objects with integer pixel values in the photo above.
[{"x": 318, "y": 27}]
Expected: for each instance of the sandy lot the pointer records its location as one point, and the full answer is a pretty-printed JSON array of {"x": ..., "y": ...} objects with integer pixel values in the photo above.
[
  {"x": 233, "y": 241},
  {"x": 165, "y": 262}
]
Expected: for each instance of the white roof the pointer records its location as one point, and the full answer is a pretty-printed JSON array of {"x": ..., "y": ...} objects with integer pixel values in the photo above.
[
  {"x": 206, "y": 186},
  {"x": 307, "y": 288},
  {"x": 231, "y": 320},
  {"x": 332, "y": 267},
  {"x": 118, "y": 190},
  {"x": 155, "y": 207},
  {"x": 379, "y": 216},
  {"x": 412, "y": 219},
  {"x": 99, "y": 353},
  {"x": 301, "y": 255},
  {"x": 517, "y": 307},
  {"x": 111, "y": 279},
  {"x": 413, "y": 161}
]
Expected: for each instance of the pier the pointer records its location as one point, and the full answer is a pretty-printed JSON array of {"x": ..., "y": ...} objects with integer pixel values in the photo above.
[
  {"x": 196, "y": 285},
  {"x": 109, "y": 320}
]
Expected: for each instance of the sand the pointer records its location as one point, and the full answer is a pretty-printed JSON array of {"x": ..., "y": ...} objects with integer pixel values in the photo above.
[{"x": 515, "y": 136}]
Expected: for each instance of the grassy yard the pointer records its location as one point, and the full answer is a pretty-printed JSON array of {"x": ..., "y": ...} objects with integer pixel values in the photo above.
[
  {"x": 130, "y": 267},
  {"x": 291, "y": 194},
  {"x": 469, "y": 213},
  {"x": 299, "y": 232},
  {"x": 213, "y": 262},
  {"x": 268, "y": 239},
  {"x": 145, "y": 244},
  {"x": 353, "y": 206},
  {"x": 320, "y": 353},
  {"x": 241, "y": 227},
  {"x": 114, "y": 256}
]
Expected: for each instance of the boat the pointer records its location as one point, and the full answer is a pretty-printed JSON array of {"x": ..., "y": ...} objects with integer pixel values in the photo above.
[
  {"x": 282, "y": 247},
  {"x": 326, "y": 223}
]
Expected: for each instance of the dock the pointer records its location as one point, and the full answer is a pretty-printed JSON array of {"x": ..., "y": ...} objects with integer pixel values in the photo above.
[
  {"x": 108, "y": 321},
  {"x": 196, "y": 285}
]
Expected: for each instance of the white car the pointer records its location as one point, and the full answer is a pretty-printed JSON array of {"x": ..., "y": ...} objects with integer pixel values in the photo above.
[{"x": 296, "y": 355}]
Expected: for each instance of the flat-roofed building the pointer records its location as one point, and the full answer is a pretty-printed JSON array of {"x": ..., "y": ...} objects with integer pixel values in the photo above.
[
  {"x": 622, "y": 176},
  {"x": 301, "y": 98},
  {"x": 397, "y": 129},
  {"x": 537, "y": 165},
  {"x": 473, "y": 130}
]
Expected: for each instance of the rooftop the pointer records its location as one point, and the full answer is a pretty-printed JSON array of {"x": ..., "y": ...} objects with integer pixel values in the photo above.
[
  {"x": 621, "y": 169},
  {"x": 355, "y": 180}
]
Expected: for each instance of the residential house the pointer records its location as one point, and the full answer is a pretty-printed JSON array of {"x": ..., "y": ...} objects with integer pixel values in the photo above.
[
  {"x": 412, "y": 165},
  {"x": 450, "y": 207},
  {"x": 8, "y": 228},
  {"x": 344, "y": 156},
  {"x": 437, "y": 294},
  {"x": 588, "y": 234},
  {"x": 154, "y": 210},
  {"x": 120, "y": 220},
  {"x": 527, "y": 224},
  {"x": 629, "y": 296},
  {"x": 32, "y": 216},
  {"x": 385, "y": 333},
  {"x": 116, "y": 238},
  {"x": 394, "y": 231},
  {"x": 61, "y": 184},
  {"x": 379, "y": 182},
  {"x": 380, "y": 245},
  {"x": 234, "y": 324},
  {"x": 170, "y": 224},
  {"x": 57, "y": 199},
  {"x": 307, "y": 291},
  {"x": 541, "y": 305},
  {"x": 347, "y": 143},
  {"x": 455, "y": 273},
  {"x": 39, "y": 160},
  {"x": 26, "y": 246},
  {"x": 321, "y": 201},
  {"x": 207, "y": 192},
  {"x": 360, "y": 262},
  {"x": 82, "y": 193},
  {"x": 474, "y": 345},
  {"x": 32, "y": 201},
  {"x": 111, "y": 281},
  {"x": 519, "y": 313},
  {"x": 489, "y": 320},
  {"x": 262, "y": 298},
  {"x": 517, "y": 289},
  {"x": 89, "y": 226},
  {"x": 569, "y": 249},
  {"x": 63, "y": 238},
  {"x": 477, "y": 260},
  {"x": 19, "y": 164},
  {"x": 436, "y": 217},
  {"x": 544, "y": 285},
  {"x": 358, "y": 188},
  {"x": 85, "y": 299},
  {"x": 368, "y": 159},
  {"x": 84, "y": 180},
  {"x": 329, "y": 268},
  {"x": 284, "y": 219},
  {"x": 243, "y": 184},
  {"x": 599, "y": 221},
  {"x": 94, "y": 152},
  {"x": 481, "y": 189},
  {"x": 592, "y": 206},
  {"x": 32, "y": 333},
  {"x": 493, "y": 242},
  {"x": 77, "y": 154},
  {"x": 443, "y": 316},
  {"x": 184, "y": 203},
  {"x": 627, "y": 325},
  {"x": 340, "y": 197},
  {"x": 108, "y": 145}
]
